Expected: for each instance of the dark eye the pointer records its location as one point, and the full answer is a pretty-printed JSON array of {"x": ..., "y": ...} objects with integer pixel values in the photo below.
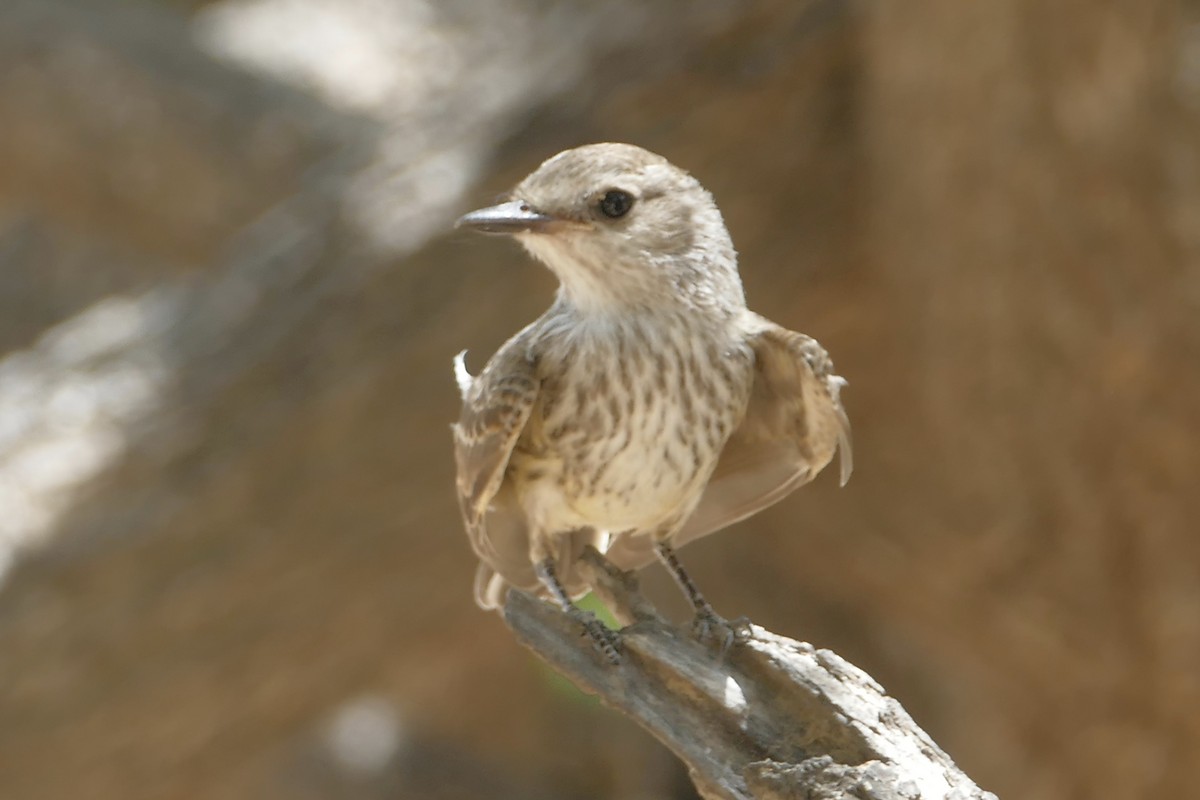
[{"x": 616, "y": 203}]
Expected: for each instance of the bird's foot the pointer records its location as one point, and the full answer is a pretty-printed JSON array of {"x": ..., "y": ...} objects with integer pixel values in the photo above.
[
  {"x": 708, "y": 626},
  {"x": 604, "y": 638}
]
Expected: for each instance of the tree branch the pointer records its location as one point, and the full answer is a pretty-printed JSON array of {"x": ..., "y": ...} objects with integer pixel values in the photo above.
[{"x": 770, "y": 719}]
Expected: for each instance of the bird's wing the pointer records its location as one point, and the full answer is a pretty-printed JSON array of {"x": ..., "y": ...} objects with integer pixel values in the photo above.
[
  {"x": 496, "y": 406},
  {"x": 793, "y": 424}
]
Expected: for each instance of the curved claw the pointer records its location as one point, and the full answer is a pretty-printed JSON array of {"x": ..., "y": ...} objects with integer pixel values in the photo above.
[
  {"x": 709, "y": 626},
  {"x": 607, "y": 641}
]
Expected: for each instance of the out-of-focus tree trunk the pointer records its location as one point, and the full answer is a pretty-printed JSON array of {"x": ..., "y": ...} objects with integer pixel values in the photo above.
[{"x": 1034, "y": 210}]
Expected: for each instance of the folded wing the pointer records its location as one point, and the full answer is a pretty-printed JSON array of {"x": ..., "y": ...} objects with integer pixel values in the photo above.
[{"x": 496, "y": 407}]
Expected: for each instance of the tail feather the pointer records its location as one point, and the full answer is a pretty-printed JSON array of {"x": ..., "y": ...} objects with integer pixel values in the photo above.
[{"x": 490, "y": 588}]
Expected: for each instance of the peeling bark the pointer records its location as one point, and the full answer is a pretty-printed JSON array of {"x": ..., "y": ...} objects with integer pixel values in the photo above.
[{"x": 769, "y": 718}]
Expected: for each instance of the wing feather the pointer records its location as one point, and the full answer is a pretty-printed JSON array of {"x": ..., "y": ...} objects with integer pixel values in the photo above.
[
  {"x": 496, "y": 407},
  {"x": 793, "y": 425}
]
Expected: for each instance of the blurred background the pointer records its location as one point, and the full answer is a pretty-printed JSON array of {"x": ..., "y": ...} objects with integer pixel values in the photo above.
[{"x": 230, "y": 294}]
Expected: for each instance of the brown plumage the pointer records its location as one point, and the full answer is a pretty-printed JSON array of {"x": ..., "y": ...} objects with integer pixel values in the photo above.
[{"x": 648, "y": 406}]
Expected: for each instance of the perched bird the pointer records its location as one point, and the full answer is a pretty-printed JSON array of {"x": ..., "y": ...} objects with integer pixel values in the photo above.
[{"x": 648, "y": 406}]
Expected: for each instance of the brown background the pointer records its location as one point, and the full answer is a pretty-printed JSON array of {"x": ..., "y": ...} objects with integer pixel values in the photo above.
[{"x": 989, "y": 213}]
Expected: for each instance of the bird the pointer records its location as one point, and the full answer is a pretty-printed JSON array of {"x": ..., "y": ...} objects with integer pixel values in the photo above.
[{"x": 648, "y": 406}]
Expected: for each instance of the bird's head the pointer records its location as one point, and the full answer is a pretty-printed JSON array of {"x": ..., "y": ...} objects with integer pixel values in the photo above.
[{"x": 621, "y": 227}]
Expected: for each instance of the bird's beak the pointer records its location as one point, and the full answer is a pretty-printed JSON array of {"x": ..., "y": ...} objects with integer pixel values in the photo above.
[{"x": 514, "y": 216}]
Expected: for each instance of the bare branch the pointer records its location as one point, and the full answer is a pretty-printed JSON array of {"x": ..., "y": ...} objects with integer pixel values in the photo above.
[{"x": 770, "y": 719}]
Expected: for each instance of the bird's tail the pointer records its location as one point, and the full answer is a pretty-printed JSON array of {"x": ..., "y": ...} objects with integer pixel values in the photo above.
[
  {"x": 490, "y": 588},
  {"x": 492, "y": 585}
]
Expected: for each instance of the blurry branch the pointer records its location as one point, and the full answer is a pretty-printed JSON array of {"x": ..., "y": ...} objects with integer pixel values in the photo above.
[{"x": 772, "y": 719}]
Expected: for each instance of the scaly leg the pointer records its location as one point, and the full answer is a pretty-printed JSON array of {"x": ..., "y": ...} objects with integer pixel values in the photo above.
[
  {"x": 707, "y": 622},
  {"x": 605, "y": 639}
]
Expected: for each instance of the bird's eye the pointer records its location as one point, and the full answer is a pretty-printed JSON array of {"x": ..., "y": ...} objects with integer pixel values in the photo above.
[{"x": 616, "y": 203}]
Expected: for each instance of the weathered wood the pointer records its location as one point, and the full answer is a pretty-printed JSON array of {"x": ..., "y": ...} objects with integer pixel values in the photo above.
[{"x": 768, "y": 718}]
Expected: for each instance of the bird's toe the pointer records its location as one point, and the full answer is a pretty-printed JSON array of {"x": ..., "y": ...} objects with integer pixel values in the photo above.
[
  {"x": 709, "y": 627},
  {"x": 604, "y": 638}
]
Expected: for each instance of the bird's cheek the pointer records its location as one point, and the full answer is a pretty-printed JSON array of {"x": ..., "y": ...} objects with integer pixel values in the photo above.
[{"x": 674, "y": 240}]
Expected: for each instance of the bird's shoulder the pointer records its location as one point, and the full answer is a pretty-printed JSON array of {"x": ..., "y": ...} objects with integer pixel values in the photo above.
[
  {"x": 769, "y": 340},
  {"x": 496, "y": 406},
  {"x": 508, "y": 375},
  {"x": 796, "y": 387}
]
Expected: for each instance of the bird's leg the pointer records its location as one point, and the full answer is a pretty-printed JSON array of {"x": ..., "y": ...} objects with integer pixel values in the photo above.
[
  {"x": 708, "y": 624},
  {"x": 667, "y": 556},
  {"x": 605, "y": 639}
]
